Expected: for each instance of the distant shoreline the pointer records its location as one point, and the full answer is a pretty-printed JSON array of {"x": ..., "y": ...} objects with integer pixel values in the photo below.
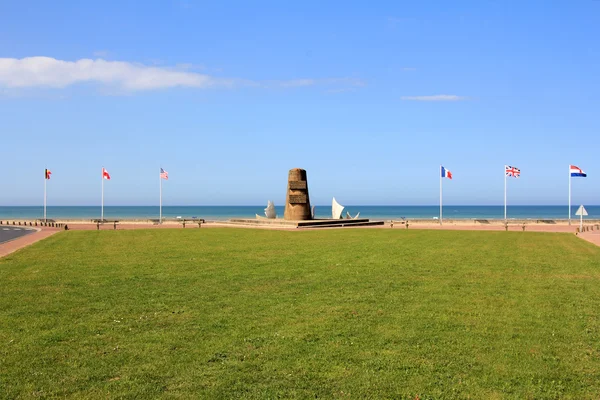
[{"x": 224, "y": 213}]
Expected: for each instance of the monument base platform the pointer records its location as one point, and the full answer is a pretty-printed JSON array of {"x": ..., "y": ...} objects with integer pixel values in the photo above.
[{"x": 313, "y": 223}]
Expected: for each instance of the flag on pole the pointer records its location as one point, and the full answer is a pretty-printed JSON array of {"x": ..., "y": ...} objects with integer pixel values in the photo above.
[
  {"x": 164, "y": 174},
  {"x": 105, "y": 174},
  {"x": 576, "y": 171},
  {"x": 446, "y": 173},
  {"x": 47, "y": 173},
  {"x": 512, "y": 171}
]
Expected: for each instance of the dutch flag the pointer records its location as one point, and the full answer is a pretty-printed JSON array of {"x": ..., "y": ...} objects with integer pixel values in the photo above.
[
  {"x": 576, "y": 171},
  {"x": 446, "y": 173}
]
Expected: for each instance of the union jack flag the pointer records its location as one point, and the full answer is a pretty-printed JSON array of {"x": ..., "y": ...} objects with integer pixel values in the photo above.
[
  {"x": 164, "y": 174},
  {"x": 512, "y": 171}
]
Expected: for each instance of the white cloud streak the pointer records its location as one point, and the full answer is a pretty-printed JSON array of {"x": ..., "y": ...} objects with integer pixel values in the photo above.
[
  {"x": 47, "y": 72},
  {"x": 435, "y": 97}
]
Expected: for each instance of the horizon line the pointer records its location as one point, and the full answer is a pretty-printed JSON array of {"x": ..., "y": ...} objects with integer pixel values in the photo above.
[{"x": 315, "y": 205}]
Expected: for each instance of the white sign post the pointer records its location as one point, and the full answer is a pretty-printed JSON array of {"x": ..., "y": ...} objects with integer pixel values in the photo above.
[{"x": 581, "y": 212}]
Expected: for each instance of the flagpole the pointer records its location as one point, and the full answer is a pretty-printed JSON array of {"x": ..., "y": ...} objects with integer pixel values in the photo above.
[
  {"x": 440, "y": 195},
  {"x": 160, "y": 201},
  {"x": 102, "y": 203},
  {"x": 569, "y": 195},
  {"x": 45, "y": 179},
  {"x": 505, "y": 193}
]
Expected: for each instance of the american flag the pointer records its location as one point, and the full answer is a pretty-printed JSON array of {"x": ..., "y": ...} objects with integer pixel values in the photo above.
[
  {"x": 512, "y": 171},
  {"x": 164, "y": 174}
]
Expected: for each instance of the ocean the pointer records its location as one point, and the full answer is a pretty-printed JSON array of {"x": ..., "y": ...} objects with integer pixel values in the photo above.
[{"x": 227, "y": 212}]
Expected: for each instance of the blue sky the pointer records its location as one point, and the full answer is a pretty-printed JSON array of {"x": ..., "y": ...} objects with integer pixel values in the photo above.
[{"x": 369, "y": 99}]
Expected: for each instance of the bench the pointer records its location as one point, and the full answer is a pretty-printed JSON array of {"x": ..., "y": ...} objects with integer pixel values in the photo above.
[
  {"x": 198, "y": 221},
  {"x": 105, "y": 221}
]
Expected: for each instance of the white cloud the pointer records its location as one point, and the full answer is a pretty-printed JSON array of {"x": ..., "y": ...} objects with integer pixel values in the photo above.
[
  {"x": 50, "y": 72},
  {"x": 435, "y": 97},
  {"x": 47, "y": 72}
]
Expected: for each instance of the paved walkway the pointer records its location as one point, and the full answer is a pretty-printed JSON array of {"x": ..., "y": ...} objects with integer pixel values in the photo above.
[
  {"x": 16, "y": 244},
  {"x": 8, "y": 233},
  {"x": 592, "y": 236}
]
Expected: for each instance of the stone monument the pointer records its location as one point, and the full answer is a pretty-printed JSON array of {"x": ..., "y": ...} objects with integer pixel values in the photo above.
[{"x": 297, "y": 202}]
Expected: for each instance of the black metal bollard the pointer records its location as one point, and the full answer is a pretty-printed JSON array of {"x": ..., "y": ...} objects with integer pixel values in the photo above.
[{"x": 66, "y": 227}]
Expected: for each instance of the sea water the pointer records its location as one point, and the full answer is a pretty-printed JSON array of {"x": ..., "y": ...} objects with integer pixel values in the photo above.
[{"x": 324, "y": 211}]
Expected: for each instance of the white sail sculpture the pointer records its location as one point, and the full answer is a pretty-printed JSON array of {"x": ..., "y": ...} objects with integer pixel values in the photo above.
[
  {"x": 336, "y": 209},
  {"x": 312, "y": 212},
  {"x": 348, "y": 216},
  {"x": 270, "y": 211}
]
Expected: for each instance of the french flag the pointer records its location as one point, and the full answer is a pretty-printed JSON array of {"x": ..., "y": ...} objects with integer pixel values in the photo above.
[
  {"x": 576, "y": 171},
  {"x": 446, "y": 173}
]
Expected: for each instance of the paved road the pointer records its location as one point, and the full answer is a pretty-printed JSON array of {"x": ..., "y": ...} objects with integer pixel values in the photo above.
[{"x": 12, "y": 232}]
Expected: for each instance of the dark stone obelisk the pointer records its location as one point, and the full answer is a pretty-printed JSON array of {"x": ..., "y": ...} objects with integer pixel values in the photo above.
[{"x": 297, "y": 202}]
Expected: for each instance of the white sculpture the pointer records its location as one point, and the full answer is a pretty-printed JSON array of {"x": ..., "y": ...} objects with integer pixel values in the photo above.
[
  {"x": 312, "y": 212},
  {"x": 336, "y": 209},
  {"x": 270, "y": 210},
  {"x": 348, "y": 216}
]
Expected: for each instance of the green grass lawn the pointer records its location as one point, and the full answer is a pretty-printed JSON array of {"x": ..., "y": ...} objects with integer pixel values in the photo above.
[{"x": 241, "y": 313}]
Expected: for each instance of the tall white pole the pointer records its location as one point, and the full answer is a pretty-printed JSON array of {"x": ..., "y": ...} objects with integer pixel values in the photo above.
[
  {"x": 102, "y": 204},
  {"x": 45, "y": 179},
  {"x": 160, "y": 201},
  {"x": 569, "y": 195},
  {"x": 505, "y": 193},
  {"x": 441, "y": 195}
]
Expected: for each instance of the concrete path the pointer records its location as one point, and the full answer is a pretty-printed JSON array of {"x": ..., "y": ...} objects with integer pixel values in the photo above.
[
  {"x": 8, "y": 233},
  {"x": 591, "y": 236},
  {"x": 25, "y": 240}
]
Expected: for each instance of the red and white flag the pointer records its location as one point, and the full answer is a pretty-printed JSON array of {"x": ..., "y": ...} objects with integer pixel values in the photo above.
[
  {"x": 512, "y": 171},
  {"x": 105, "y": 174},
  {"x": 164, "y": 174}
]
